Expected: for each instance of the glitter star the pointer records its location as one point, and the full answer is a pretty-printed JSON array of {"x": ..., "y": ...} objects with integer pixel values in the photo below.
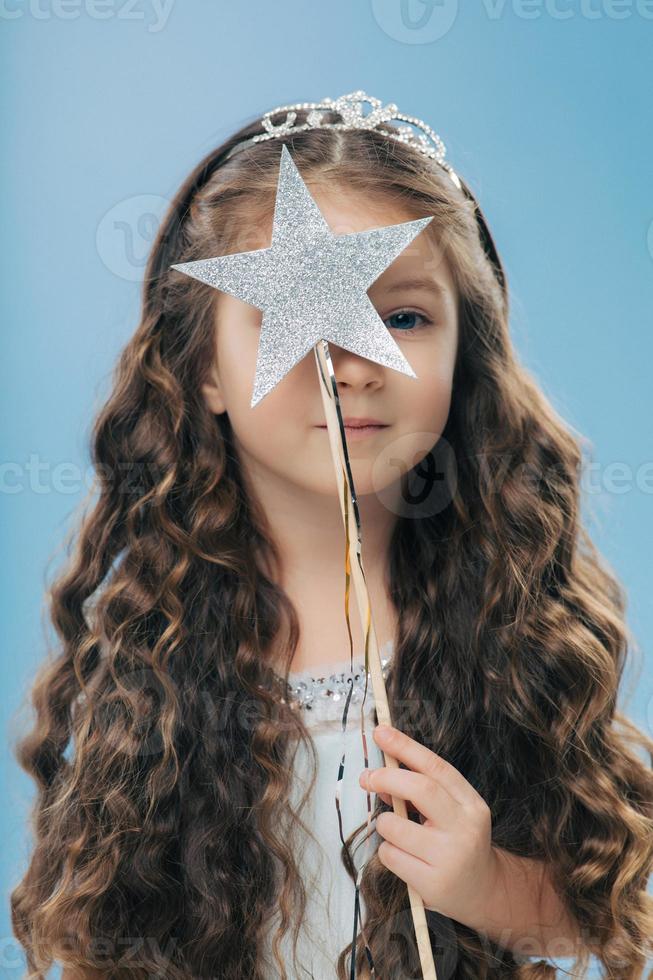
[{"x": 310, "y": 284}]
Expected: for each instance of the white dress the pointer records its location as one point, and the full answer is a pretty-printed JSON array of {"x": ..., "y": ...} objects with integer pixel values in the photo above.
[
  {"x": 329, "y": 918},
  {"x": 328, "y": 922}
]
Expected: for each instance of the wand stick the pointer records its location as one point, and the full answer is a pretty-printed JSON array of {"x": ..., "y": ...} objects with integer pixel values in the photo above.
[{"x": 338, "y": 443}]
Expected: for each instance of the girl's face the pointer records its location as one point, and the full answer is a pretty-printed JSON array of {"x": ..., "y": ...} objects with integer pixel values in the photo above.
[{"x": 281, "y": 438}]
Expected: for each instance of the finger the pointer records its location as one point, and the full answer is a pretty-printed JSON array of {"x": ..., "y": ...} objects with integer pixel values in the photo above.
[
  {"x": 421, "y": 759},
  {"x": 432, "y": 801},
  {"x": 409, "y": 836},
  {"x": 415, "y": 872},
  {"x": 387, "y": 799}
]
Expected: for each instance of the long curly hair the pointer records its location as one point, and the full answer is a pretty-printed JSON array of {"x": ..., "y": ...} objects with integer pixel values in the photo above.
[{"x": 161, "y": 754}]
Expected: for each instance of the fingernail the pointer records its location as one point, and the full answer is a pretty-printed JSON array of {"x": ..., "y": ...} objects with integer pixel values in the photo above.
[{"x": 382, "y": 730}]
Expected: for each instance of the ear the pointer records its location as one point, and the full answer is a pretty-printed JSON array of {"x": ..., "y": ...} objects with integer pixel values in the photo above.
[{"x": 212, "y": 392}]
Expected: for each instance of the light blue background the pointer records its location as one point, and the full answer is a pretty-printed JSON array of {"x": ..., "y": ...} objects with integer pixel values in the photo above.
[{"x": 544, "y": 108}]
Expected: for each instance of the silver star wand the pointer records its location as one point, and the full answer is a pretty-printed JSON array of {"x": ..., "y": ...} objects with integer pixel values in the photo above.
[{"x": 312, "y": 288}]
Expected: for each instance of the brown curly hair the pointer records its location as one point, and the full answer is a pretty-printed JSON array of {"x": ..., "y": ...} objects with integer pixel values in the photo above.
[{"x": 160, "y": 753}]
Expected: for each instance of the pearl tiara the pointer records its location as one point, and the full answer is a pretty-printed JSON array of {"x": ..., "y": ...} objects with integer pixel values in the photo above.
[{"x": 350, "y": 109}]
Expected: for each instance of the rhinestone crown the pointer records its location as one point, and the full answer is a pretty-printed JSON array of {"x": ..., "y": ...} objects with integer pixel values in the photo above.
[{"x": 350, "y": 109}]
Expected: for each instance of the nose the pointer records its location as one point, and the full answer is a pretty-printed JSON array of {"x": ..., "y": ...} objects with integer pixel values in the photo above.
[{"x": 353, "y": 371}]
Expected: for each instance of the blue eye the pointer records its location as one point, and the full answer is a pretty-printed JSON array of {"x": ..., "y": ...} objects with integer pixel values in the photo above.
[{"x": 405, "y": 316}]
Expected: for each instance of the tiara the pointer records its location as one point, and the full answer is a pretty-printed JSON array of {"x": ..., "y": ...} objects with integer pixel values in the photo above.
[{"x": 350, "y": 109}]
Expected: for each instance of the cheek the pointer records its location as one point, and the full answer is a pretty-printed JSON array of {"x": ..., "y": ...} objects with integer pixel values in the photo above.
[
  {"x": 261, "y": 430},
  {"x": 273, "y": 430},
  {"x": 236, "y": 356},
  {"x": 426, "y": 400},
  {"x": 279, "y": 445}
]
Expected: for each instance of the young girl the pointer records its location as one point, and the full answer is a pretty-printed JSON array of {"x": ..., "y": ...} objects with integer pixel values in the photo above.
[{"x": 189, "y": 729}]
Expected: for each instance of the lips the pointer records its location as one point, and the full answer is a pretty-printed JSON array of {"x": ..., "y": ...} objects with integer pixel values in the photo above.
[
  {"x": 360, "y": 423},
  {"x": 354, "y": 423}
]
